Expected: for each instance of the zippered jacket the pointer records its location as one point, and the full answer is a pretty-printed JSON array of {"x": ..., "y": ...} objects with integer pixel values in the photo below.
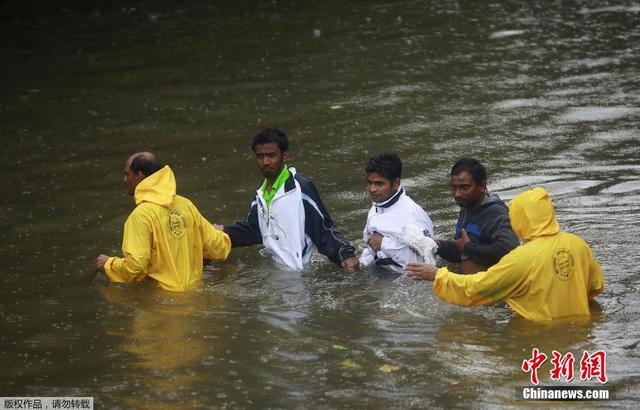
[
  {"x": 389, "y": 218},
  {"x": 489, "y": 230},
  {"x": 552, "y": 276},
  {"x": 291, "y": 225},
  {"x": 166, "y": 237}
]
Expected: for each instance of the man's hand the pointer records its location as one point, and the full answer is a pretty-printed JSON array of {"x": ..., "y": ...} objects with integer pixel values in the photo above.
[
  {"x": 100, "y": 261},
  {"x": 375, "y": 241},
  {"x": 460, "y": 243},
  {"x": 421, "y": 271},
  {"x": 351, "y": 264},
  {"x": 219, "y": 227}
]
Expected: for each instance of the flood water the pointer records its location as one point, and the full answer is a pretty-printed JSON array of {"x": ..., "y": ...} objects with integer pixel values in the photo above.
[{"x": 544, "y": 93}]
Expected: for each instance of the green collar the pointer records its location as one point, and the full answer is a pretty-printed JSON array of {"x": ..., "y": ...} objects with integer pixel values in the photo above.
[{"x": 282, "y": 178}]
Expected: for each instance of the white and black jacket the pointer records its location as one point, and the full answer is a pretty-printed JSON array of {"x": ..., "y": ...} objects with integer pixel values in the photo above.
[
  {"x": 388, "y": 219},
  {"x": 295, "y": 221}
]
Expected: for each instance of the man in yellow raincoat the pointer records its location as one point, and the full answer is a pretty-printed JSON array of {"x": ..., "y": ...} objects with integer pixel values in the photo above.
[
  {"x": 165, "y": 237},
  {"x": 551, "y": 276}
]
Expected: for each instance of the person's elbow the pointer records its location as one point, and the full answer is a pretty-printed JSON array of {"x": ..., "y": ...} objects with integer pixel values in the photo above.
[
  {"x": 226, "y": 246},
  {"x": 220, "y": 249},
  {"x": 226, "y": 249},
  {"x": 595, "y": 292},
  {"x": 131, "y": 270}
]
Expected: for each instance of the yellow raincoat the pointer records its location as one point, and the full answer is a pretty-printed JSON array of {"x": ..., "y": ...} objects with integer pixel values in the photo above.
[
  {"x": 165, "y": 237},
  {"x": 553, "y": 275}
]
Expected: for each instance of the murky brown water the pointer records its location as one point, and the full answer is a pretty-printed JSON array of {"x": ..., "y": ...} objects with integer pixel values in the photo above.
[{"x": 545, "y": 94}]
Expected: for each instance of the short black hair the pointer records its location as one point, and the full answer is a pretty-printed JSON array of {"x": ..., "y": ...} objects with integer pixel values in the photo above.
[
  {"x": 387, "y": 164},
  {"x": 145, "y": 162},
  {"x": 472, "y": 166},
  {"x": 269, "y": 135}
]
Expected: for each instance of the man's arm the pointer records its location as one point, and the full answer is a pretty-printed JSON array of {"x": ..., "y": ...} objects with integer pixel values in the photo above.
[
  {"x": 448, "y": 251},
  {"x": 216, "y": 244},
  {"x": 136, "y": 250},
  {"x": 595, "y": 275},
  {"x": 246, "y": 232},
  {"x": 423, "y": 220},
  {"x": 499, "y": 282},
  {"x": 503, "y": 240},
  {"x": 467, "y": 265},
  {"x": 323, "y": 232}
]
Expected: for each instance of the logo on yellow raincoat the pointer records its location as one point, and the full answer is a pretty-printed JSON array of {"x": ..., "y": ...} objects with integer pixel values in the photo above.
[
  {"x": 563, "y": 264},
  {"x": 177, "y": 224}
]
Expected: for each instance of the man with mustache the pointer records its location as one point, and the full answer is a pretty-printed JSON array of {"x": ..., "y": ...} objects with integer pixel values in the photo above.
[{"x": 483, "y": 232}]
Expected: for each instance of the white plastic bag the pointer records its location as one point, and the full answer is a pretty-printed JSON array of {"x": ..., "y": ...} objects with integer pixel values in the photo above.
[{"x": 411, "y": 235}]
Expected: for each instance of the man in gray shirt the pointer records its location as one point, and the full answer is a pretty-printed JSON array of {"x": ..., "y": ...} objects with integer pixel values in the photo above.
[{"x": 483, "y": 232}]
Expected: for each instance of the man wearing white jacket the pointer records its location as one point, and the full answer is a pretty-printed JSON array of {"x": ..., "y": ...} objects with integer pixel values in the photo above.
[{"x": 389, "y": 216}]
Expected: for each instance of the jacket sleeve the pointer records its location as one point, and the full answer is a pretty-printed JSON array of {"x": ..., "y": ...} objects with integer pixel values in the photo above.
[
  {"x": 136, "y": 250},
  {"x": 596, "y": 277},
  {"x": 216, "y": 244},
  {"x": 424, "y": 222},
  {"x": 503, "y": 240},
  {"x": 448, "y": 251},
  {"x": 320, "y": 228},
  {"x": 246, "y": 232},
  {"x": 504, "y": 279}
]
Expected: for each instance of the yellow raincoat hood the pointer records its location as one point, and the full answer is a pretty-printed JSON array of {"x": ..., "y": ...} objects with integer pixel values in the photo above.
[
  {"x": 158, "y": 188},
  {"x": 532, "y": 215}
]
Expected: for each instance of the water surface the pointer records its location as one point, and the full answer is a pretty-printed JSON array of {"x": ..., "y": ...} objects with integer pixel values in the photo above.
[{"x": 544, "y": 94}]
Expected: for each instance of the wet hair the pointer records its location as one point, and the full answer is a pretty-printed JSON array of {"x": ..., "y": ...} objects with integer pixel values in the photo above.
[
  {"x": 472, "y": 166},
  {"x": 269, "y": 135},
  {"x": 145, "y": 162},
  {"x": 387, "y": 164}
]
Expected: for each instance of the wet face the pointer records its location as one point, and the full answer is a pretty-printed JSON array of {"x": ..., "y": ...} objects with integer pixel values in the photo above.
[
  {"x": 381, "y": 188},
  {"x": 131, "y": 179},
  {"x": 270, "y": 159},
  {"x": 466, "y": 191}
]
